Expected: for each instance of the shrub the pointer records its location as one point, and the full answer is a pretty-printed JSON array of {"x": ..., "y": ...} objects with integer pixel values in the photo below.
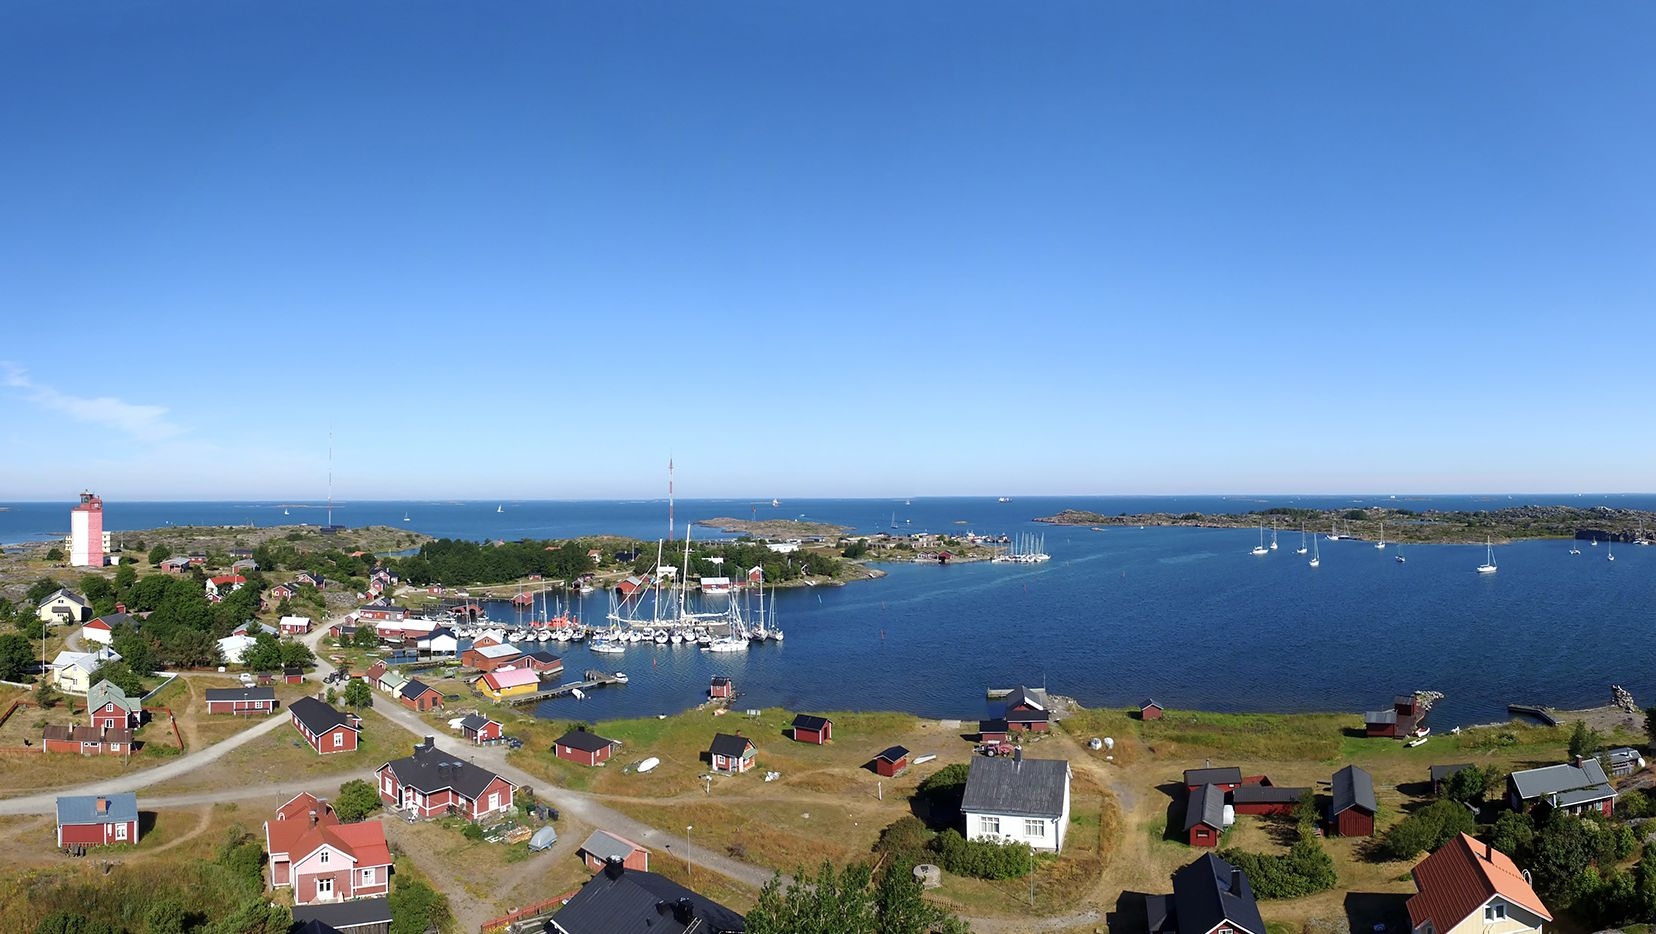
[
  {"x": 1427, "y": 829},
  {"x": 905, "y": 838},
  {"x": 980, "y": 858},
  {"x": 1304, "y": 870},
  {"x": 472, "y": 832},
  {"x": 356, "y": 800},
  {"x": 417, "y": 908},
  {"x": 942, "y": 791}
]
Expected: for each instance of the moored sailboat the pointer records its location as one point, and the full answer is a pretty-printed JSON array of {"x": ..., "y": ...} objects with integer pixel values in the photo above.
[{"x": 1488, "y": 567}]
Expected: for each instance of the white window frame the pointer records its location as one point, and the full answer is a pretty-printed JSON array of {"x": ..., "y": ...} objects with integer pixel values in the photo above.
[
  {"x": 121, "y": 831},
  {"x": 324, "y": 886},
  {"x": 323, "y": 858},
  {"x": 990, "y": 824},
  {"x": 339, "y": 739},
  {"x": 1034, "y": 827},
  {"x": 368, "y": 875},
  {"x": 494, "y": 800}
]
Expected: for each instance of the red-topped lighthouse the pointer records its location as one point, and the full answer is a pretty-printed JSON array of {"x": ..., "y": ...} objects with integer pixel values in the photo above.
[{"x": 86, "y": 538}]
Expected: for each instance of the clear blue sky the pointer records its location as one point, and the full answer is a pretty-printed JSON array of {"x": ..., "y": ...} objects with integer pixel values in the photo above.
[{"x": 533, "y": 250}]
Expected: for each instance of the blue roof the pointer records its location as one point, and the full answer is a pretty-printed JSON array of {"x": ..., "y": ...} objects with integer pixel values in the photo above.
[{"x": 83, "y": 809}]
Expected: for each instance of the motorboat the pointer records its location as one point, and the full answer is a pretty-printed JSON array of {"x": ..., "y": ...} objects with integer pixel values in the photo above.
[{"x": 621, "y": 677}]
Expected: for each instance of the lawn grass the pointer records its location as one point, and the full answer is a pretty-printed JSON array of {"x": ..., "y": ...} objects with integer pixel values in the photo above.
[
  {"x": 1270, "y": 737},
  {"x": 283, "y": 755}
]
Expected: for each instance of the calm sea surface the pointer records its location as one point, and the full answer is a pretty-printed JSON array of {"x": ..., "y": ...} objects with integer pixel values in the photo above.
[{"x": 1185, "y": 615}]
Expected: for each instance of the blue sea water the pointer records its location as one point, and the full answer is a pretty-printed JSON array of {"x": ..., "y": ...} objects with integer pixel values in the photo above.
[{"x": 1185, "y": 615}]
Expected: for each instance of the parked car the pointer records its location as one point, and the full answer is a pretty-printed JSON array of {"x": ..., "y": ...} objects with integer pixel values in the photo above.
[{"x": 512, "y": 742}]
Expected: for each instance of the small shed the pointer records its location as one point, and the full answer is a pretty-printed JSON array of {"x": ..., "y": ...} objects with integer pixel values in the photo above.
[
  {"x": 891, "y": 761},
  {"x": 721, "y": 686},
  {"x": 809, "y": 729},
  {"x": 293, "y": 675},
  {"x": 583, "y": 747},
  {"x": 1150, "y": 710},
  {"x": 602, "y": 846},
  {"x": 992, "y": 731},
  {"x": 731, "y": 754},
  {"x": 1205, "y": 815},
  {"x": 1351, "y": 813}
]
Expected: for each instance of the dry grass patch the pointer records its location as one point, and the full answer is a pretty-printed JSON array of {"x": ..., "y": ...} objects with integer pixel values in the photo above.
[
  {"x": 780, "y": 835},
  {"x": 283, "y": 756}
]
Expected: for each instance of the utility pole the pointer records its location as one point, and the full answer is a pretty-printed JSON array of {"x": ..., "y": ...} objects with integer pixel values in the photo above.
[{"x": 689, "y": 869}]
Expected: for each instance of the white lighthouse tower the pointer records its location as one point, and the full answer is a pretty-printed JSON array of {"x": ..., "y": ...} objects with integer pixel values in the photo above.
[{"x": 86, "y": 534}]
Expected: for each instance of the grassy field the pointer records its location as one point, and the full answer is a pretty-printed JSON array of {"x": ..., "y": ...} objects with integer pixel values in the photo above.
[{"x": 283, "y": 755}]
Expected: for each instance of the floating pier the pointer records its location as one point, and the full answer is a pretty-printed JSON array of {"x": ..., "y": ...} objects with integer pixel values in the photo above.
[{"x": 594, "y": 679}]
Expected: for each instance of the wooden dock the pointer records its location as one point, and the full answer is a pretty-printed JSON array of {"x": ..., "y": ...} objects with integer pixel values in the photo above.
[
  {"x": 1531, "y": 710},
  {"x": 594, "y": 679}
]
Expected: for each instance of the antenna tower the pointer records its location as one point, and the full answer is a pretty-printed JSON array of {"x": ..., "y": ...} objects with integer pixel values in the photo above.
[
  {"x": 330, "y": 476},
  {"x": 669, "y": 498}
]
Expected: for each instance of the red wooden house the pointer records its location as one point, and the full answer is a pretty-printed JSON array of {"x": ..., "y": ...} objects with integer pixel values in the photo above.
[
  {"x": 489, "y": 657},
  {"x": 721, "y": 687},
  {"x": 96, "y": 820},
  {"x": 87, "y": 740},
  {"x": 1226, "y": 778},
  {"x": 544, "y": 664},
  {"x": 325, "y": 728},
  {"x": 602, "y": 846},
  {"x": 1351, "y": 812},
  {"x": 584, "y": 748},
  {"x": 432, "y": 783},
  {"x": 1204, "y": 815},
  {"x": 111, "y": 709},
  {"x": 809, "y": 729},
  {"x": 731, "y": 754},
  {"x": 417, "y": 695},
  {"x": 1025, "y": 713},
  {"x": 1401, "y": 720},
  {"x": 891, "y": 761},
  {"x": 1150, "y": 710},
  {"x": 992, "y": 731},
  {"x": 481, "y": 730},
  {"x": 240, "y": 701},
  {"x": 1256, "y": 795}
]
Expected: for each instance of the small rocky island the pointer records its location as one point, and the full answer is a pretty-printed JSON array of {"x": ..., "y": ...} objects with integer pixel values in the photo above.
[
  {"x": 775, "y": 529},
  {"x": 1603, "y": 523}
]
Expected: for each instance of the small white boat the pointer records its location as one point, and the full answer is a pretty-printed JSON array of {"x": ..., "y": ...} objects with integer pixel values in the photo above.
[
  {"x": 606, "y": 648},
  {"x": 1273, "y": 538},
  {"x": 1302, "y": 549},
  {"x": 621, "y": 677},
  {"x": 1382, "y": 542},
  {"x": 922, "y": 760},
  {"x": 1610, "y": 548},
  {"x": 500, "y": 508},
  {"x": 405, "y": 517},
  {"x": 1260, "y": 549},
  {"x": 1574, "y": 548},
  {"x": 577, "y": 693},
  {"x": 1423, "y": 731},
  {"x": 648, "y": 764},
  {"x": 1316, "y": 554},
  {"x": 1417, "y": 741},
  {"x": 1488, "y": 567}
]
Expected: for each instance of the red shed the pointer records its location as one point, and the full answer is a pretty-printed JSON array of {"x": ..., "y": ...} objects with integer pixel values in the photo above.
[
  {"x": 891, "y": 761},
  {"x": 96, "y": 820},
  {"x": 809, "y": 729},
  {"x": 417, "y": 695},
  {"x": 584, "y": 748},
  {"x": 603, "y": 846},
  {"x": 480, "y": 729},
  {"x": 1351, "y": 813},
  {"x": 992, "y": 731},
  {"x": 1205, "y": 815},
  {"x": 1150, "y": 710},
  {"x": 293, "y": 675},
  {"x": 721, "y": 687}
]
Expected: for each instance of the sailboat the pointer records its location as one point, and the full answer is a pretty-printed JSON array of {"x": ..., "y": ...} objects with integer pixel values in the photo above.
[
  {"x": 1610, "y": 548},
  {"x": 1382, "y": 542},
  {"x": 405, "y": 517},
  {"x": 1398, "y": 557},
  {"x": 894, "y": 520},
  {"x": 284, "y": 510},
  {"x": 1575, "y": 549},
  {"x": 1334, "y": 531},
  {"x": 1302, "y": 548},
  {"x": 1316, "y": 555},
  {"x": 1261, "y": 549},
  {"x": 500, "y": 508},
  {"x": 1641, "y": 540},
  {"x": 1488, "y": 567},
  {"x": 1273, "y": 538}
]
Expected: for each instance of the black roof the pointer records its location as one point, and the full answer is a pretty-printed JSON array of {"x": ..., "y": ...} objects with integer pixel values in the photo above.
[
  {"x": 475, "y": 721},
  {"x": 318, "y": 717},
  {"x": 545, "y": 658},
  {"x": 1016, "y": 786},
  {"x": 1021, "y": 696},
  {"x": 1353, "y": 787},
  {"x": 805, "y": 721},
  {"x": 415, "y": 687},
  {"x": 314, "y": 926},
  {"x": 1266, "y": 794},
  {"x": 1028, "y": 716},
  {"x": 733, "y": 747},
  {"x": 992, "y": 726},
  {"x": 294, "y": 671},
  {"x": 343, "y": 916},
  {"x": 1211, "y": 892},
  {"x": 721, "y": 680},
  {"x": 1206, "y": 805},
  {"x": 892, "y": 754},
  {"x": 1441, "y": 772},
  {"x": 584, "y": 741},
  {"x": 241, "y": 694},
  {"x": 630, "y": 900},
  {"x": 1229, "y": 775},
  {"x": 430, "y": 769},
  {"x": 1149, "y": 702}
]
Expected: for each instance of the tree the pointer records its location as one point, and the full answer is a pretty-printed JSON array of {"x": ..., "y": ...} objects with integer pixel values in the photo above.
[
  {"x": 829, "y": 901},
  {"x": 417, "y": 907},
  {"x": 942, "y": 791},
  {"x": 1427, "y": 829},
  {"x": 1513, "y": 833},
  {"x": 159, "y": 554},
  {"x": 1563, "y": 848},
  {"x": 54, "y": 553},
  {"x": 365, "y": 637},
  {"x": 899, "y": 909},
  {"x": 136, "y": 650},
  {"x": 265, "y": 654},
  {"x": 356, "y": 800},
  {"x": 357, "y": 694},
  {"x": 118, "y": 674},
  {"x": 46, "y": 696},
  {"x": 16, "y": 655},
  {"x": 125, "y": 576},
  {"x": 297, "y": 655},
  {"x": 40, "y": 590},
  {"x": 1584, "y": 740}
]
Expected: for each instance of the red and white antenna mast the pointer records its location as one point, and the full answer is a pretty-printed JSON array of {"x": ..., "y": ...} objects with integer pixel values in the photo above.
[{"x": 669, "y": 498}]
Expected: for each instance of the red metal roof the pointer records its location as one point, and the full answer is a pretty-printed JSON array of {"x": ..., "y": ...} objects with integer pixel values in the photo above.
[{"x": 1461, "y": 877}]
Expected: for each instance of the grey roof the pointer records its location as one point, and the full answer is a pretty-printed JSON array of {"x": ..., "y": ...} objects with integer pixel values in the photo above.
[
  {"x": 1622, "y": 754},
  {"x": 721, "y": 680},
  {"x": 807, "y": 722},
  {"x": 630, "y": 900},
  {"x": 83, "y": 809},
  {"x": 104, "y": 692},
  {"x": 1267, "y": 794},
  {"x": 1211, "y": 892},
  {"x": 892, "y": 754},
  {"x": 587, "y": 741},
  {"x": 606, "y": 845},
  {"x": 1021, "y": 696},
  {"x": 1158, "y": 911},
  {"x": 319, "y": 717},
  {"x": 1016, "y": 787},
  {"x": 1380, "y": 716},
  {"x": 1229, "y": 775},
  {"x": 1149, "y": 702},
  {"x": 343, "y": 916},
  {"x": 241, "y": 694},
  {"x": 1206, "y": 805},
  {"x": 1028, "y": 716},
  {"x": 1353, "y": 787},
  {"x": 992, "y": 726},
  {"x": 118, "y": 619},
  {"x": 431, "y": 769},
  {"x": 732, "y": 747},
  {"x": 1440, "y": 772},
  {"x": 414, "y": 688},
  {"x": 67, "y": 594},
  {"x": 474, "y": 722},
  {"x": 545, "y": 658},
  {"x": 1558, "y": 779}
]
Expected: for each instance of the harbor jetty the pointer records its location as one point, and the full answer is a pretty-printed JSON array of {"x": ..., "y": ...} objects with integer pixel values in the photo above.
[{"x": 593, "y": 679}]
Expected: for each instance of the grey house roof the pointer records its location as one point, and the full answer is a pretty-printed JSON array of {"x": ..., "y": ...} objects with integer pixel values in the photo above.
[
  {"x": 226, "y": 695},
  {"x": 1380, "y": 716},
  {"x": 805, "y": 721},
  {"x": 106, "y": 693},
  {"x": 588, "y": 741},
  {"x": 1230, "y": 775},
  {"x": 606, "y": 846},
  {"x": 1206, "y": 805},
  {"x": 474, "y": 722},
  {"x": 345, "y": 916},
  {"x": 1353, "y": 787},
  {"x": 1266, "y": 794},
  {"x": 629, "y": 900},
  {"x": 66, "y": 594},
  {"x": 430, "y": 769},
  {"x": 731, "y": 747},
  {"x": 1021, "y": 696},
  {"x": 1564, "y": 785},
  {"x": 1211, "y": 892},
  {"x": 83, "y": 809},
  {"x": 319, "y": 717},
  {"x": 1016, "y": 787}
]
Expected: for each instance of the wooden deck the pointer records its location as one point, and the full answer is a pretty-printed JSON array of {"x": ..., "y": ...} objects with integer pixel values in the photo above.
[{"x": 593, "y": 679}]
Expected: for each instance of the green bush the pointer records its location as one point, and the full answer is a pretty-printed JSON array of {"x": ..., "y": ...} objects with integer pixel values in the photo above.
[
  {"x": 906, "y": 838},
  {"x": 1304, "y": 870},
  {"x": 941, "y": 793},
  {"x": 417, "y": 908},
  {"x": 981, "y": 859},
  {"x": 356, "y": 800},
  {"x": 1427, "y": 829}
]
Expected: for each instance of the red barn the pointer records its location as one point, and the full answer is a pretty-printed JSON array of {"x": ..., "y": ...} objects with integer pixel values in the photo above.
[
  {"x": 417, "y": 695},
  {"x": 809, "y": 729},
  {"x": 1150, "y": 710},
  {"x": 891, "y": 761},
  {"x": 992, "y": 731},
  {"x": 584, "y": 748},
  {"x": 96, "y": 820},
  {"x": 481, "y": 730},
  {"x": 721, "y": 687},
  {"x": 1351, "y": 813},
  {"x": 1226, "y": 778},
  {"x": 326, "y": 729},
  {"x": 1204, "y": 815},
  {"x": 241, "y": 700},
  {"x": 432, "y": 783},
  {"x": 603, "y": 846},
  {"x": 87, "y": 740}
]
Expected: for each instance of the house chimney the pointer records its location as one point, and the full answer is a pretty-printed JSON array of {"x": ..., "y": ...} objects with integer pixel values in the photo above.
[
  {"x": 614, "y": 868},
  {"x": 120, "y": 607},
  {"x": 1017, "y": 755},
  {"x": 684, "y": 910},
  {"x": 313, "y": 817},
  {"x": 1236, "y": 881},
  {"x": 103, "y": 805}
]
